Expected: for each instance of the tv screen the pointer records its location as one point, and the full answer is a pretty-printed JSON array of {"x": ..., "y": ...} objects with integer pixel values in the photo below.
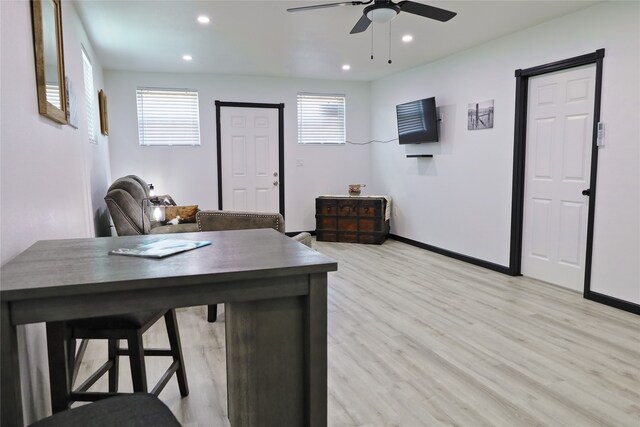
[{"x": 417, "y": 121}]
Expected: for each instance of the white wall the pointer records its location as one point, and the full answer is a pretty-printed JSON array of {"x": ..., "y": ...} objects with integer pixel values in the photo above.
[
  {"x": 52, "y": 179},
  {"x": 460, "y": 200},
  {"x": 189, "y": 174}
]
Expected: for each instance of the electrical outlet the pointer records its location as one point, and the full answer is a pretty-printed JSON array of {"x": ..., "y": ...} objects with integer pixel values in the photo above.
[{"x": 395, "y": 211}]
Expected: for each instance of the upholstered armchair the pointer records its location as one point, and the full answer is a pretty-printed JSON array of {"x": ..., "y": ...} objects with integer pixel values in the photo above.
[
  {"x": 126, "y": 199},
  {"x": 228, "y": 220}
]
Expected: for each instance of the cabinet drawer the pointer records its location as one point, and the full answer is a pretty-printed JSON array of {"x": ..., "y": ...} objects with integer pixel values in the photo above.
[
  {"x": 369, "y": 224},
  {"x": 326, "y": 223},
  {"x": 370, "y": 208},
  {"x": 326, "y": 207},
  {"x": 347, "y": 208},
  {"x": 347, "y": 224}
]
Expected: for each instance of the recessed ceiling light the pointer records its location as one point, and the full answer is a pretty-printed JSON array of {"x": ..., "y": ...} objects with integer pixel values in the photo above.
[
  {"x": 346, "y": 67},
  {"x": 187, "y": 57},
  {"x": 407, "y": 38},
  {"x": 203, "y": 19}
]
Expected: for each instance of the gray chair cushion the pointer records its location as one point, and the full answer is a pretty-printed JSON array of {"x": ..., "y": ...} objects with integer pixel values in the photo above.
[
  {"x": 142, "y": 182},
  {"x": 126, "y": 213},
  {"x": 124, "y": 200},
  {"x": 134, "y": 410},
  {"x": 132, "y": 186},
  {"x": 120, "y": 321}
]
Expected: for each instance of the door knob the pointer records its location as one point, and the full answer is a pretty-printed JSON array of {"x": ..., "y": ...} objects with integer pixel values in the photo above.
[
  {"x": 275, "y": 183},
  {"x": 586, "y": 192},
  {"x": 275, "y": 174}
]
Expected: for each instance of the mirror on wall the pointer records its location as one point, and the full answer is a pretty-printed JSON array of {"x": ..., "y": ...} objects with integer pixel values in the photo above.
[{"x": 47, "y": 43}]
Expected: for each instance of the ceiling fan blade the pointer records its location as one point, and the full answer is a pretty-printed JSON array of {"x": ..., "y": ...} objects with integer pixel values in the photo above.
[
  {"x": 362, "y": 24},
  {"x": 426, "y": 11},
  {"x": 322, "y": 6}
]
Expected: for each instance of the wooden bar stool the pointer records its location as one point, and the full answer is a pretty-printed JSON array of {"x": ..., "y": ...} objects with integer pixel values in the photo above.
[
  {"x": 134, "y": 410},
  {"x": 128, "y": 327}
]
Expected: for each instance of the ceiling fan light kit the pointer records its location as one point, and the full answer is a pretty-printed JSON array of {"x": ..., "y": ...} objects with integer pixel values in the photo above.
[{"x": 381, "y": 14}]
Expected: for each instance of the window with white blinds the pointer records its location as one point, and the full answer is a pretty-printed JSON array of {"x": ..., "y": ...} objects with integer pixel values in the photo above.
[
  {"x": 168, "y": 116},
  {"x": 89, "y": 97},
  {"x": 321, "y": 119}
]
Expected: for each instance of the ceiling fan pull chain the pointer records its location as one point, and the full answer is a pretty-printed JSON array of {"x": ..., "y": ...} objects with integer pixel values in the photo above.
[
  {"x": 372, "y": 41},
  {"x": 389, "y": 42}
]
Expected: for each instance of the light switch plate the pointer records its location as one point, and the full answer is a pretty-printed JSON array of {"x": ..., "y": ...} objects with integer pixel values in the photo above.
[{"x": 600, "y": 137}]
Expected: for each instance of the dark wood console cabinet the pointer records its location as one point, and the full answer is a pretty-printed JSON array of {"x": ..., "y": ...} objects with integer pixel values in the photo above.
[{"x": 351, "y": 219}]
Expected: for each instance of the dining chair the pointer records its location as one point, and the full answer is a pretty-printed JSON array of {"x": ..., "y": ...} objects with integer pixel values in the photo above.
[
  {"x": 135, "y": 410},
  {"x": 129, "y": 327}
]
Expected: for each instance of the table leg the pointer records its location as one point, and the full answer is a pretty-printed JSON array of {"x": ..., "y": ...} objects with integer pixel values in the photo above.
[
  {"x": 59, "y": 373},
  {"x": 265, "y": 362},
  {"x": 11, "y": 394},
  {"x": 315, "y": 349},
  {"x": 277, "y": 359}
]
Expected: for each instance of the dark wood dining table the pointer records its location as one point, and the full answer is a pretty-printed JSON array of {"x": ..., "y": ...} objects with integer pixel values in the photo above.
[{"x": 275, "y": 295}]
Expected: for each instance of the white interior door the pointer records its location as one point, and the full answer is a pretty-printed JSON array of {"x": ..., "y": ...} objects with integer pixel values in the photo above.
[
  {"x": 558, "y": 164},
  {"x": 249, "y": 154}
]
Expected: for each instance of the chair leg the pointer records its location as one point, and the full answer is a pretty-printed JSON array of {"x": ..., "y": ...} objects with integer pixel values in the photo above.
[
  {"x": 76, "y": 360},
  {"x": 136, "y": 358},
  {"x": 212, "y": 313},
  {"x": 114, "y": 346},
  {"x": 71, "y": 360},
  {"x": 176, "y": 350}
]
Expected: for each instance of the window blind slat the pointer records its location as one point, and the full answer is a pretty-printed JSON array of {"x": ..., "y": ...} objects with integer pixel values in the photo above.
[
  {"x": 321, "y": 119},
  {"x": 89, "y": 97},
  {"x": 168, "y": 117}
]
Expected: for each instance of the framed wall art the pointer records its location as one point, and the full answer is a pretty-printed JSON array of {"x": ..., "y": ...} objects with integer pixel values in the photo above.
[
  {"x": 480, "y": 115},
  {"x": 49, "y": 59},
  {"x": 104, "y": 118}
]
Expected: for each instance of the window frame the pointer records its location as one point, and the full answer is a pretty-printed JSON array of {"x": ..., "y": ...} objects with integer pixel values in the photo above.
[
  {"x": 191, "y": 124},
  {"x": 330, "y": 97}
]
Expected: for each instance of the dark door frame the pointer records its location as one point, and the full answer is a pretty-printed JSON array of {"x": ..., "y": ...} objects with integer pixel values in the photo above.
[
  {"x": 280, "y": 108},
  {"x": 519, "y": 157}
]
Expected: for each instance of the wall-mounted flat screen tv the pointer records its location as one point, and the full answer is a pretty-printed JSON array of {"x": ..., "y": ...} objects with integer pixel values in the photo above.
[{"x": 417, "y": 121}]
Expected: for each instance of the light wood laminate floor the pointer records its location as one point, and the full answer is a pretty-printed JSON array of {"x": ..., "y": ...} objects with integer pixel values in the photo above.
[{"x": 418, "y": 339}]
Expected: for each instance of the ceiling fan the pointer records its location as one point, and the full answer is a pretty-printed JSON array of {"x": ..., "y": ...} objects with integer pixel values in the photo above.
[{"x": 384, "y": 11}]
